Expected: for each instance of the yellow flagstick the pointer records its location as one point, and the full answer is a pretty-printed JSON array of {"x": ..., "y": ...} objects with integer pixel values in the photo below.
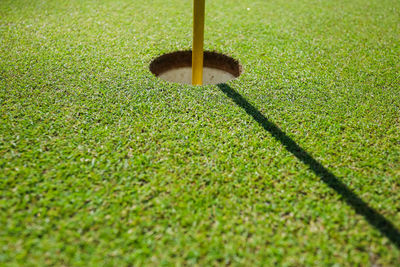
[{"x": 198, "y": 40}]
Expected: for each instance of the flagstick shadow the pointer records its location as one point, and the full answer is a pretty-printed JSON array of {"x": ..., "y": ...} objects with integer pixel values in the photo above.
[{"x": 373, "y": 217}]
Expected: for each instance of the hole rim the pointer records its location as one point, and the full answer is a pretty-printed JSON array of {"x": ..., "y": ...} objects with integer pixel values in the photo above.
[{"x": 183, "y": 59}]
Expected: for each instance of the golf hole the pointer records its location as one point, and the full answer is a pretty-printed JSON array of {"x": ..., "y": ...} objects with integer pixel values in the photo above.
[{"x": 176, "y": 67}]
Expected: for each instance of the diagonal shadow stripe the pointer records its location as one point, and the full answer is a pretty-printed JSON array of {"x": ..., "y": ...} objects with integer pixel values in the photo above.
[{"x": 373, "y": 217}]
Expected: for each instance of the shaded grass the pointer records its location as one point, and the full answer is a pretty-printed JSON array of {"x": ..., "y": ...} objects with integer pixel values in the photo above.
[{"x": 102, "y": 163}]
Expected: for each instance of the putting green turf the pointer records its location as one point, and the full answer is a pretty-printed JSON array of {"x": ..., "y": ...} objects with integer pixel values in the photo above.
[{"x": 102, "y": 163}]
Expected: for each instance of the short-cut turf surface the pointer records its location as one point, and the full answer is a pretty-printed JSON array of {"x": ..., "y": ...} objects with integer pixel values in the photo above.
[{"x": 297, "y": 162}]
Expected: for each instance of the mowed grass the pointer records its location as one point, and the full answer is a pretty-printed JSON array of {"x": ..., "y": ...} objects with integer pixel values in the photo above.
[{"x": 101, "y": 163}]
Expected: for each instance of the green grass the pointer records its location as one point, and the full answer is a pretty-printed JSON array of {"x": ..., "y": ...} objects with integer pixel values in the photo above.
[{"x": 102, "y": 163}]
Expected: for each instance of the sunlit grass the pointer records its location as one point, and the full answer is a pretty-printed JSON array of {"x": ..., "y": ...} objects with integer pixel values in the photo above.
[{"x": 102, "y": 163}]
